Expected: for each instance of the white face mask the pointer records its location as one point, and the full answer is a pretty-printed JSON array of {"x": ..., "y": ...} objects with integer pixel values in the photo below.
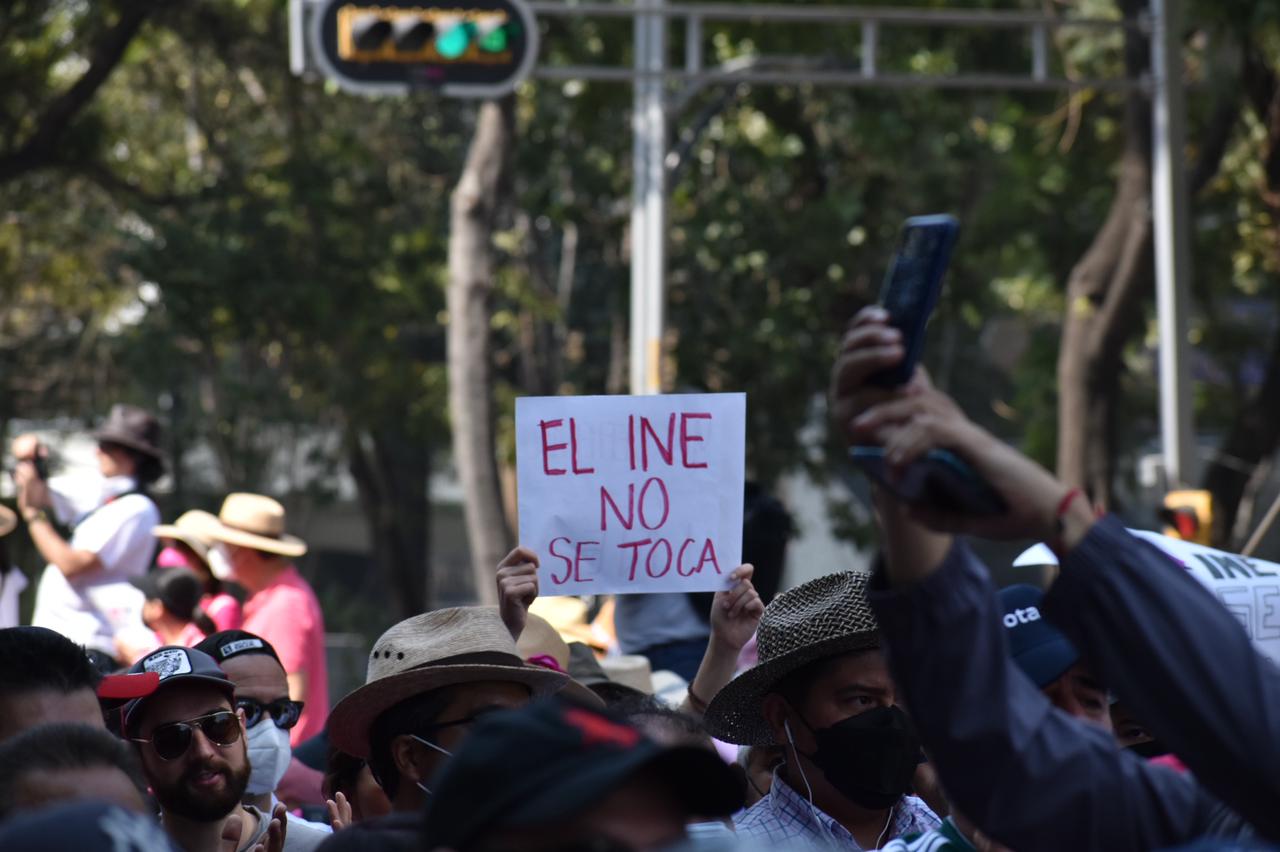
[
  {"x": 219, "y": 564},
  {"x": 269, "y": 755}
]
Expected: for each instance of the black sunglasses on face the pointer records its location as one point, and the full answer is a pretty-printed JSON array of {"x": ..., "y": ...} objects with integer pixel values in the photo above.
[
  {"x": 172, "y": 740},
  {"x": 284, "y": 713}
]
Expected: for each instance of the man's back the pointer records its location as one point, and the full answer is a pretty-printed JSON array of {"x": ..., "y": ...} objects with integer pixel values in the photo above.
[{"x": 287, "y": 614}]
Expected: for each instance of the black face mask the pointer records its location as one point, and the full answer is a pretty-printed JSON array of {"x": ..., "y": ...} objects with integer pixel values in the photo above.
[
  {"x": 870, "y": 758},
  {"x": 1149, "y": 749}
]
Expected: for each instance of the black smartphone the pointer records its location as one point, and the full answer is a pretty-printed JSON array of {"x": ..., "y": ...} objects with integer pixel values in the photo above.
[
  {"x": 940, "y": 480},
  {"x": 911, "y": 286}
]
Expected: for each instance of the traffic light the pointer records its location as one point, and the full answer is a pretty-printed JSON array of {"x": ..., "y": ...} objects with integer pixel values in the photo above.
[
  {"x": 476, "y": 49},
  {"x": 1188, "y": 515}
]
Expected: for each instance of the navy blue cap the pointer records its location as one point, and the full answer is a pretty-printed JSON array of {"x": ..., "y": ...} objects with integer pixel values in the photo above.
[
  {"x": 552, "y": 760},
  {"x": 1039, "y": 649},
  {"x": 84, "y": 825}
]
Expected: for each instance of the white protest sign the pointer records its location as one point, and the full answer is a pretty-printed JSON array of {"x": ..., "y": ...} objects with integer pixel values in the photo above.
[
  {"x": 630, "y": 494},
  {"x": 1249, "y": 588}
]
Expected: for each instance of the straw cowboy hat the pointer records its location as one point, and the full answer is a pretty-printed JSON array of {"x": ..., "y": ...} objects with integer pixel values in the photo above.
[
  {"x": 252, "y": 520},
  {"x": 420, "y": 654},
  {"x": 132, "y": 427},
  {"x": 8, "y": 521},
  {"x": 825, "y": 617},
  {"x": 194, "y": 528}
]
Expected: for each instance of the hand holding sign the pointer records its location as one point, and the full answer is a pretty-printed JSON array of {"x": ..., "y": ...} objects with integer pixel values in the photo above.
[
  {"x": 517, "y": 588},
  {"x": 632, "y": 494}
]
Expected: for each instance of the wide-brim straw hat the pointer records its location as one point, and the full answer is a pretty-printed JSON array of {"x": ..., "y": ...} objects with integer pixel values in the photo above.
[
  {"x": 429, "y": 651},
  {"x": 823, "y": 618},
  {"x": 132, "y": 427},
  {"x": 8, "y": 521},
  {"x": 256, "y": 521},
  {"x": 194, "y": 528}
]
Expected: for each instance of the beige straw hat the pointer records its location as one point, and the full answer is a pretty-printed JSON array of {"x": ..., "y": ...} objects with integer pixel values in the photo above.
[
  {"x": 442, "y": 648},
  {"x": 8, "y": 521},
  {"x": 252, "y": 520},
  {"x": 822, "y": 618},
  {"x": 540, "y": 639},
  {"x": 194, "y": 528}
]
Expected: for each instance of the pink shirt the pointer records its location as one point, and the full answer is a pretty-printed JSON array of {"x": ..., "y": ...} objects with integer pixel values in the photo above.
[
  {"x": 287, "y": 614},
  {"x": 190, "y": 636},
  {"x": 223, "y": 610}
]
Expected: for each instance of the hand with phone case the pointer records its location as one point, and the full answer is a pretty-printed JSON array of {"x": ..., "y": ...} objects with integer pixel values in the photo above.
[{"x": 906, "y": 424}]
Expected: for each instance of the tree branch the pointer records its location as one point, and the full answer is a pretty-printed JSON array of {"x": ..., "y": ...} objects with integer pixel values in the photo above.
[{"x": 41, "y": 147}]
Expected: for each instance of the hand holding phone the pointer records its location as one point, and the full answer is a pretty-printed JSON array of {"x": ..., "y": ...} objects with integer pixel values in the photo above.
[{"x": 912, "y": 283}]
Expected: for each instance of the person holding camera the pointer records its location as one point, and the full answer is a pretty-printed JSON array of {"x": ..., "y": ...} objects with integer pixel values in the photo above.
[{"x": 84, "y": 592}]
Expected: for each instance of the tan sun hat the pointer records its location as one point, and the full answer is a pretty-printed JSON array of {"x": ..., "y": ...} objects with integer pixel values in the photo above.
[
  {"x": 8, "y": 521},
  {"x": 540, "y": 640},
  {"x": 631, "y": 670},
  {"x": 252, "y": 520},
  {"x": 442, "y": 648},
  {"x": 194, "y": 528},
  {"x": 822, "y": 618}
]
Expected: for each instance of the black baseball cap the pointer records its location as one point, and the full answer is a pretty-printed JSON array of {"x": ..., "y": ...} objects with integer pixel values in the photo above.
[
  {"x": 172, "y": 665},
  {"x": 179, "y": 589},
  {"x": 1038, "y": 648},
  {"x": 226, "y": 644},
  {"x": 553, "y": 759}
]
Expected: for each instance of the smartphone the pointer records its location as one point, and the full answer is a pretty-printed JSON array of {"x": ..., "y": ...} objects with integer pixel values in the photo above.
[
  {"x": 911, "y": 286},
  {"x": 940, "y": 480}
]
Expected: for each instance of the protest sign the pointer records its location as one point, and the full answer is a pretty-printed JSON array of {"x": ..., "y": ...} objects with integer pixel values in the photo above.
[
  {"x": 1249, "y": 588},
  {"x": 630, "y": 494}
]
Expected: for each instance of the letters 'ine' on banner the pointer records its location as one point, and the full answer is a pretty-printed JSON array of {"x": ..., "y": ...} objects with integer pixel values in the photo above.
[
  {"x": 1248, "y": 587},
  {"x": 631, "y": 494}
]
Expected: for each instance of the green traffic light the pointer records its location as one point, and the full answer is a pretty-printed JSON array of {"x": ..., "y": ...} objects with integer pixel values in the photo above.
[
  {"x": 454, "y": 41},
  {"x": 494, "y": 41}
]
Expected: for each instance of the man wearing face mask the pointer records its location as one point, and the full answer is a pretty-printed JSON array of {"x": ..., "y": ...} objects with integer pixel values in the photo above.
[
  {"x": 822, "y": 692},
  {"x": 262, "y": 693}
]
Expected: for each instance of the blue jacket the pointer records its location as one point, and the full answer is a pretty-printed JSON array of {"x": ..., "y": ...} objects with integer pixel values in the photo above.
[{"x": 1033, "y": 777}]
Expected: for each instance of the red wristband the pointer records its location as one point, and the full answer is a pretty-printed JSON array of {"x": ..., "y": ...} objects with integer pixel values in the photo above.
[{"x": 1066, "y": 502}]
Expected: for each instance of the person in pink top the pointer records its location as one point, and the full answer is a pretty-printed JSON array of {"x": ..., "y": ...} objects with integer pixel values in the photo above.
[
  {"x": 188, "y": 543},
  {"x": 282, "y": 608},
  {"x": 172, "y": 611}
]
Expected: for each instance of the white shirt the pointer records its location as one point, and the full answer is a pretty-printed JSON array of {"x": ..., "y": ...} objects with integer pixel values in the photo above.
[
  {"x": 92, "y": 608},
  {"x": 12, "y": 582}
]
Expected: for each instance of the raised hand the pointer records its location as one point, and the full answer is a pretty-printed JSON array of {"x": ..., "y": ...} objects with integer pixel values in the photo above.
[
  {"x": 517, "y": 588},
  {"x": 339, "y": 812},
  {"x": 736, "y": 611}
]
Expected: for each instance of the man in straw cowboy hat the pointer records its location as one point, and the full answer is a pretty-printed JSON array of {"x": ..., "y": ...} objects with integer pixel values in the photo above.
[
  {"x": 430, "y": 678},
  {"x": 85, "y": 588},
  {"x": 282, "y": 607},
  {"x": 822, "y": 691}
]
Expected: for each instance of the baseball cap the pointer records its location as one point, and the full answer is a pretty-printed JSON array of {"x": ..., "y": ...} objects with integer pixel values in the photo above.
[
  {"x": 173, "y": 664},
  {"x": 179, "y": 589},
  {"x": 1039, "y": 649},
  {"x": 81, "y": 826},
  {"x": 226, "y": 644},
  {"x": 551, "y": 760}
]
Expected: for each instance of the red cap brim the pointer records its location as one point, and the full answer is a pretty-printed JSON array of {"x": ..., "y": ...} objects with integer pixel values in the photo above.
[{"x": 128, "y": 686}]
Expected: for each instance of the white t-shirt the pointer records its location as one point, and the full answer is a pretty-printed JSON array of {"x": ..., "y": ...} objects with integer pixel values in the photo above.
[
  {"x": 12, "y": 582},
  {"x": 92, "y": 608}
]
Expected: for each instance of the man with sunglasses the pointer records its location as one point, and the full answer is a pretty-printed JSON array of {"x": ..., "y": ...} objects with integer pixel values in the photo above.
[
  {"x": 262, "y": 696},
  {"x": 190, "y": 739}
]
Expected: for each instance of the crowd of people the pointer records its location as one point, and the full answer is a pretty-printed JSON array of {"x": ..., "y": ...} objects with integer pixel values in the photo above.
[{"x": 914, "y": 707}]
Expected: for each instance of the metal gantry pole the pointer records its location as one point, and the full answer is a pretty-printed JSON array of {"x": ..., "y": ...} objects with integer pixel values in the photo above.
[
  {"x": 1172, "y": 237},
  {"x": 648, "y": 207}
]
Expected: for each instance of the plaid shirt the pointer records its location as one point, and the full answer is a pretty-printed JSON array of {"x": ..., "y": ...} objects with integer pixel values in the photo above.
[{"x": 786, "y": 815}]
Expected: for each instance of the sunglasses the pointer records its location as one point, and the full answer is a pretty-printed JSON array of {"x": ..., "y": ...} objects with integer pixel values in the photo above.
[
  {"x": 172, "y": 740},
  {"x": 284, "y": 713}
]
